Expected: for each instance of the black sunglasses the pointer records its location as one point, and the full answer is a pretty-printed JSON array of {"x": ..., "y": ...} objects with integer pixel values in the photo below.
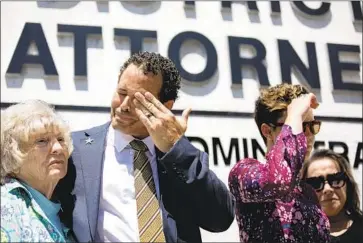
[
  {"x": 314, "y": 126},
  {"x": 335, "y": 181}
]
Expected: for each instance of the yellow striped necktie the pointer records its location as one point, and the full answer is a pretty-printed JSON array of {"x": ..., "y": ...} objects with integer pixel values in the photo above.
[{"x": 148, "y": 213}]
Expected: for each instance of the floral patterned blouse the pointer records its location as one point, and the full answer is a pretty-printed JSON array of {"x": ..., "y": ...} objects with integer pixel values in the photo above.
[
  {"x": 272, "y": 204},
  {"x": 22, "y": 219}
]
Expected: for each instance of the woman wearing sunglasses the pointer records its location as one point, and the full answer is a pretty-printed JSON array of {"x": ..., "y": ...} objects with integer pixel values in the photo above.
[
  {"x": 271, "y": 204},
  {"x": 331, "y": 177}
]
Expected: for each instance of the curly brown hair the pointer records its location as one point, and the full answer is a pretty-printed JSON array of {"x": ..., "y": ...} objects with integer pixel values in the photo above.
[
  {"x": 352, "y": 204},
  {"x": 273, "y": 102},
  {"x": 151, "y": 62}
]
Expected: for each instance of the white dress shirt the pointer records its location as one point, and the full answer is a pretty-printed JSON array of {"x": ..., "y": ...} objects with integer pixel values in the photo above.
[{"x": 117, "y": 216}]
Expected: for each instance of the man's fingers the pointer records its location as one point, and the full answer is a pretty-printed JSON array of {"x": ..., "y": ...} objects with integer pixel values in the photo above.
[
  {"x": 143, "y": 118},
  {"x": 142, "y": 108},
  {"x": 148, "y": 105},
  {"x": 157, "y": 103}
]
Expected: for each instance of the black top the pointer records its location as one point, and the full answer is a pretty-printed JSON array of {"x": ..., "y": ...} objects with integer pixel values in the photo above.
[{"x": 353, "y": 235}]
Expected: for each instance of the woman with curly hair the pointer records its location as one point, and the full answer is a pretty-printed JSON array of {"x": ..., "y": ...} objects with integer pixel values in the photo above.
[
  {"x": 35, "y": 146},
  {"x": 272, "y": 204}
]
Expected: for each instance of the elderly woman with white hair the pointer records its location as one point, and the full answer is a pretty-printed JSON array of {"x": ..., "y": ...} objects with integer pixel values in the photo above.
[{"x": 35, "y": 147}]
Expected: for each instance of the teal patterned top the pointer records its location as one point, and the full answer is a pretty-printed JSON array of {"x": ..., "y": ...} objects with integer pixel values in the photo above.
[{"x": 24, "y": 220}]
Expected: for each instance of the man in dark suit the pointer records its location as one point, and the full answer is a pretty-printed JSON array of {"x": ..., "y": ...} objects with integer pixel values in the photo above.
[{"x": 138, "y": 178}]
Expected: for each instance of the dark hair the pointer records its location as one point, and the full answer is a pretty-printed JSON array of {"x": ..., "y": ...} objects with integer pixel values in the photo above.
[
  {"x": 151, "y": 62},
  {"x": 273, "y": 102},
  {"x": 352, "y": 204}
]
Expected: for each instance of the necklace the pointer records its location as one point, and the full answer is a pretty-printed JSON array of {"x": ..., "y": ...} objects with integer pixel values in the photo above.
[{"x": 340, "y": 229}]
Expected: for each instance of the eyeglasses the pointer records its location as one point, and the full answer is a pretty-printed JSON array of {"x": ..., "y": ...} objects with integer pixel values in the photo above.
[
  {"x": 335, "y": 181},
  {"x": 314, "y": 126}
]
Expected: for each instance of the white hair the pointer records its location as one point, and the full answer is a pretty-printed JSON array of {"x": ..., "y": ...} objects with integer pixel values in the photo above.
[{"x": 18, "y": 124}]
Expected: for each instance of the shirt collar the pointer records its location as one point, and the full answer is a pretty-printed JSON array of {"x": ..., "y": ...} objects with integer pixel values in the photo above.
[
  {"x": 121, "y": 140},
  {"x": 12, "y": 183},
  {"x": 46, "y": 204},
  {"x": 50, "y": 208}
]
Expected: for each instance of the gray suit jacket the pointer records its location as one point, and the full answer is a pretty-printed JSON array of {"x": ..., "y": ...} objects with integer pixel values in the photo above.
[{"x": 191, "y": 194}]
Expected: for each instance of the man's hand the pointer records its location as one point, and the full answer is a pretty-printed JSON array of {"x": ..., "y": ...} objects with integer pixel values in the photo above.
[{"x": 164, "y": 128}]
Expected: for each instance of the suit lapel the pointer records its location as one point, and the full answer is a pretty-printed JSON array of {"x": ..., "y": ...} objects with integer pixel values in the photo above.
[{"x": 92, "y": 155}]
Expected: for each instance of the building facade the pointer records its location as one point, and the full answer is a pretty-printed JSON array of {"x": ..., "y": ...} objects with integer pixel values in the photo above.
[{"x": 69, "y": 54}]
